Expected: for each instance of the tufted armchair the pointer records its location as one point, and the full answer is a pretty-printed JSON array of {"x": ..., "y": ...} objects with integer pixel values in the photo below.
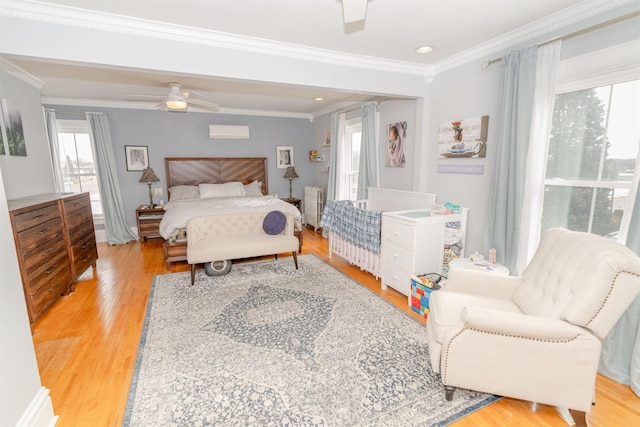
[{"x": 535, "y": 337}]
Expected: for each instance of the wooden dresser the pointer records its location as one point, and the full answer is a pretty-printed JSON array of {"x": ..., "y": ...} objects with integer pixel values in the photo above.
[{"x": 55, "y": 243}]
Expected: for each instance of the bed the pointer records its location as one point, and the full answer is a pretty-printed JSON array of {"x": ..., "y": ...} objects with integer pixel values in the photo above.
[
  {"x": 199, "y": 186},
  {"x": 353, "y": 227}
]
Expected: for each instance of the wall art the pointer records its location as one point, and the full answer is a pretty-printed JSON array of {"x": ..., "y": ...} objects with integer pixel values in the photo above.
[
  {"x": 396, "y": 144},
  {"x": 12, "y": 129},
  {"x": 284, "y": 156},
  {"x": 137, "y": 157},
  {"x": 463, "y": 138}
]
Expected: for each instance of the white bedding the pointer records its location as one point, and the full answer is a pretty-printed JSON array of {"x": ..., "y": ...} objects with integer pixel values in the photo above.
[{"x": 178, "y": 212}]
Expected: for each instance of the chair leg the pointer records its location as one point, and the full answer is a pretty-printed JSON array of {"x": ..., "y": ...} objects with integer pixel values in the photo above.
[
  {"x": 193, "y": 273},
  {"x": 579, "y": 417},
  {"x": 448, "y": 392},
  {"x": 295, "y": 258},
  {"x": 276, "y": 255}
]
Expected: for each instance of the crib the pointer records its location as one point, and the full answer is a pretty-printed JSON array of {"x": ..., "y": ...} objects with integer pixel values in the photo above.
[{"x": 366, "y": 217}]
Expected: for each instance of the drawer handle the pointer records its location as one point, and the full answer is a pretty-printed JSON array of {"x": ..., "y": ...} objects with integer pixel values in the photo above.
[
  {"x": 44, "y": 230},
  {"x": 87, "y": 258},
  {"x": 53, "y": 267},
  {"x": 395, "y": 277},
  {"x": 37, "y": 216},
  {"x": 395, "y": 256},
  {"x": 85, "y": 245},
  {"x": 397, "y": 233}
]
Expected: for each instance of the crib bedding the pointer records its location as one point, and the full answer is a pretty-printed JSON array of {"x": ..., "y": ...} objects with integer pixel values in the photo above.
[
  {"x": 359, "y": 226},
  {"x": 178, "y": 212}
]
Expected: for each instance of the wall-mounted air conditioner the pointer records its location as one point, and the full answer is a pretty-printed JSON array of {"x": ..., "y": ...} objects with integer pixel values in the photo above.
[{"x": 228, "y": 132}]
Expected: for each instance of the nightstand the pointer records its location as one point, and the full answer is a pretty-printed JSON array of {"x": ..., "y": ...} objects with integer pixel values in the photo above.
[
  {"x": 295, "y": 202},
  {"x": 148, "y": 220},
  {"x": 298, "y": 204}
]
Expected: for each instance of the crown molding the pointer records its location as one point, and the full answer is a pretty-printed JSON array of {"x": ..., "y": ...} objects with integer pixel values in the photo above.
[
  {"x": 100, "y": 103},
  {"x": 75, "y": 17},
  {"x": 528, "y": 33},
  {"x": 21, "y": 74}
]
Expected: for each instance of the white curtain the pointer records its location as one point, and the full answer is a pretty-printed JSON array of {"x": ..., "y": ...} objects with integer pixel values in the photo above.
[
  {"x": 116, "y": 226},
  {"x": 543, "y": 102},
  {"x": 368, "y": 172},
  {"x": 54, "y": 146}
]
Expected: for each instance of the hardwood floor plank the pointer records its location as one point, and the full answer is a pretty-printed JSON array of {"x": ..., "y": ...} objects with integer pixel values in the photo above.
[{"x": 87, "y": 343}]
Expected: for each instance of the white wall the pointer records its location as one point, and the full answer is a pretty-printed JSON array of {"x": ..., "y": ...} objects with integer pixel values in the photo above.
[{"x": 22, "y": 397}]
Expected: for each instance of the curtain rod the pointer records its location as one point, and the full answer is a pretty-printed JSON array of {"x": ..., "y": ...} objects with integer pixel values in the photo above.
[
  {"x": 486, "y": 64},
  {"x": 77, "y": 113},
  {"x": 356, "y": 108}
]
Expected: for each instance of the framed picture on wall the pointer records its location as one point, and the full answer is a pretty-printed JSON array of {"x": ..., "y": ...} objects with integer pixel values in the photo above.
[
  {"x": 137, "y": 157},
  {"x": 284, "y": 156}
]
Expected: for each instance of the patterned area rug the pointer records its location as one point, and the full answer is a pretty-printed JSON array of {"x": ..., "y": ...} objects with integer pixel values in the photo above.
[{"x": 271, "y": 345}]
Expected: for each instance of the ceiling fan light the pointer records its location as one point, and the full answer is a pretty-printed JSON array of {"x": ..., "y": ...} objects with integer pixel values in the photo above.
[{"x": 176, "y": 103}]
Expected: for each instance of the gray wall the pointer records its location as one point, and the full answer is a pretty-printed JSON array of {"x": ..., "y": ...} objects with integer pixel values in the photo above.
[{"x": 187, "y": 135}]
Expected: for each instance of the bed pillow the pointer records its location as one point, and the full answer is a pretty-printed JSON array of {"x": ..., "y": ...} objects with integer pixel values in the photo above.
[
  {"x": 184, "y": 192},
  {"x": 254, "y": 189},
  {"x": 228, "y": 189},
  {"x": 274, "y": 222}
]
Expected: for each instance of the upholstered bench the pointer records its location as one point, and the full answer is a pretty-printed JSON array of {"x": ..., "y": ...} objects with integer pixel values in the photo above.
[{"x": 239, "y": 235}]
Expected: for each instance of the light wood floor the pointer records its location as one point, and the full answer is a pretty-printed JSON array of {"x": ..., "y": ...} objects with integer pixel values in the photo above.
[{"x": 86, "y": 345}]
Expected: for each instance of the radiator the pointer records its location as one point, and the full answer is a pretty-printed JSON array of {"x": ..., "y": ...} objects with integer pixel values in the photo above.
[{"x": 313, "y": 206}]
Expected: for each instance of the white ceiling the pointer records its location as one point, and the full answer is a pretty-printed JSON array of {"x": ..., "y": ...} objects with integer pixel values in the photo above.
[{"x": 391, "y": 31}]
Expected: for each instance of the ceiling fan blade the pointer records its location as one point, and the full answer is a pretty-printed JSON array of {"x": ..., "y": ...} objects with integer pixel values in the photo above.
[
  {"x": 354, "y": 10},
  {"x": 205, "y": 104}
]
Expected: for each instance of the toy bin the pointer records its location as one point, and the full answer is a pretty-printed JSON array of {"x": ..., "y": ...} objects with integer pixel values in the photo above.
[{"x": 421, "y": 288}]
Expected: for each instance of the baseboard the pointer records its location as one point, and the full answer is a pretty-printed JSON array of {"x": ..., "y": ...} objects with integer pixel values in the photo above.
[
  {"x": 101, "y": 235},
  {"x": 39, "y": 413}
]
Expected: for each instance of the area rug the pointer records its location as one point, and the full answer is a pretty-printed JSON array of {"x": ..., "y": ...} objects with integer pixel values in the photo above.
[{"x": 269, "y": 345}]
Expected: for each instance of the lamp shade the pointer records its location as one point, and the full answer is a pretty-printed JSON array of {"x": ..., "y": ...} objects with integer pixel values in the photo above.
[
  {"x": 149, "y": 176},
  {"x": 290, "y": 173}
]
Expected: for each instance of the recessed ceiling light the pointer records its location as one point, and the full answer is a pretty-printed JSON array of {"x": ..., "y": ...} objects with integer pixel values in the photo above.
[
  {"x": 424, "y": 49},
  {"x": 319, "y": 98}
]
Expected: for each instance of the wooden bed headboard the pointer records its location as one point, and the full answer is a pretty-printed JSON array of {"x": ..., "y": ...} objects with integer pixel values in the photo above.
[{"x": 215, "y": 170}]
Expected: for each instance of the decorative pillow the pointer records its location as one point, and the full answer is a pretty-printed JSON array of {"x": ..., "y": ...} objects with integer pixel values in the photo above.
[
  {"x": 228, "y": 189},
  {"x": 274, "y": 222},
  {"x": 184, "y": 192},
  {"x": 254, "y": 189}
]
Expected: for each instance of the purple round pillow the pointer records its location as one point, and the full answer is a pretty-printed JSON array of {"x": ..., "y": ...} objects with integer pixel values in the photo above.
[{"x": 274, "y": 222}]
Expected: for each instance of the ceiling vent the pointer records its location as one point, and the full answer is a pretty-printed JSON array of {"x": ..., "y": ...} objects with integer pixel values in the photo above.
[{"x": 228, "y": 132}]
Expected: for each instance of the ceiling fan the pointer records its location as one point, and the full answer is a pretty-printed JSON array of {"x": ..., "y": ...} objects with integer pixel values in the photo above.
[
  {"x": 354, "y": 10},
  {"x": 177, "y": 101}
]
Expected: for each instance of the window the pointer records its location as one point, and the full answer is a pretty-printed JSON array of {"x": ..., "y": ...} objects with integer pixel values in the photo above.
[
  {"x": 592, "y": 159},
  {"x": 348, "y": 180},
  {"x": 77, "y": 161}
]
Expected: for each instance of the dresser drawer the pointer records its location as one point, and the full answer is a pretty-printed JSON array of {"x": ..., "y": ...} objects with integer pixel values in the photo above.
[
  {"x": 34, "y": 217},
  {"x": 40, "y": 275},
  {"x": 85, "y": 253},
  {"x": 398, "y": 232},
  {"x": 402, "y": 256},
  {"x": 81, "y": 232},
  {"x": 40, "y": 235},
  {"x": 78, "y": 217},
  {"x": 79, "y": 202},
  {"x": 47, "y": 295},
  {"x": 395, "y": 277},
  {"x": 44, "y": 255}
]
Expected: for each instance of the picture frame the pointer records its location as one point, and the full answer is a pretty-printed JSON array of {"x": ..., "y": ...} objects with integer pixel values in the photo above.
[
  {"x": 284, "y": 156},
  {"x": 137, "y": 157}
]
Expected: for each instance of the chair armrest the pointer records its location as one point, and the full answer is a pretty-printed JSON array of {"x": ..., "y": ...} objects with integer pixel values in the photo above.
[
  {"x": 482, "y": 283},
  {"x": 517, "y": 325}
]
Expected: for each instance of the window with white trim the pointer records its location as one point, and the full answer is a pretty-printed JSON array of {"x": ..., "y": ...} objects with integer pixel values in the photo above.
[
  {"x": 350, "y": 152},
  {"x": 592, "y": 163},
  {"x": 77, "y": 161}
]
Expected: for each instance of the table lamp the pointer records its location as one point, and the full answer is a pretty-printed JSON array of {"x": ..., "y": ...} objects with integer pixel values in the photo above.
[
  {"x": 290, "y": 173},
  {"x": 149, "y": 176}
]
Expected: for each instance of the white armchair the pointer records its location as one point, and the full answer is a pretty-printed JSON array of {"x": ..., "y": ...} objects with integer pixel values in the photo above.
[{"x": 535, "y": 337}]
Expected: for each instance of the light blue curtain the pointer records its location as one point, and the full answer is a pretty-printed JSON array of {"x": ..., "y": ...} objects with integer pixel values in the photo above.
[
  {"x": 620, "y": 359},
  {"x": 333, "y": 156},
  {"x": 54, "y": 145},
  {"x": 114, "y": 218},
  {"x": 368, "y": 167},
  {"x": 502, "y": 229}
]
